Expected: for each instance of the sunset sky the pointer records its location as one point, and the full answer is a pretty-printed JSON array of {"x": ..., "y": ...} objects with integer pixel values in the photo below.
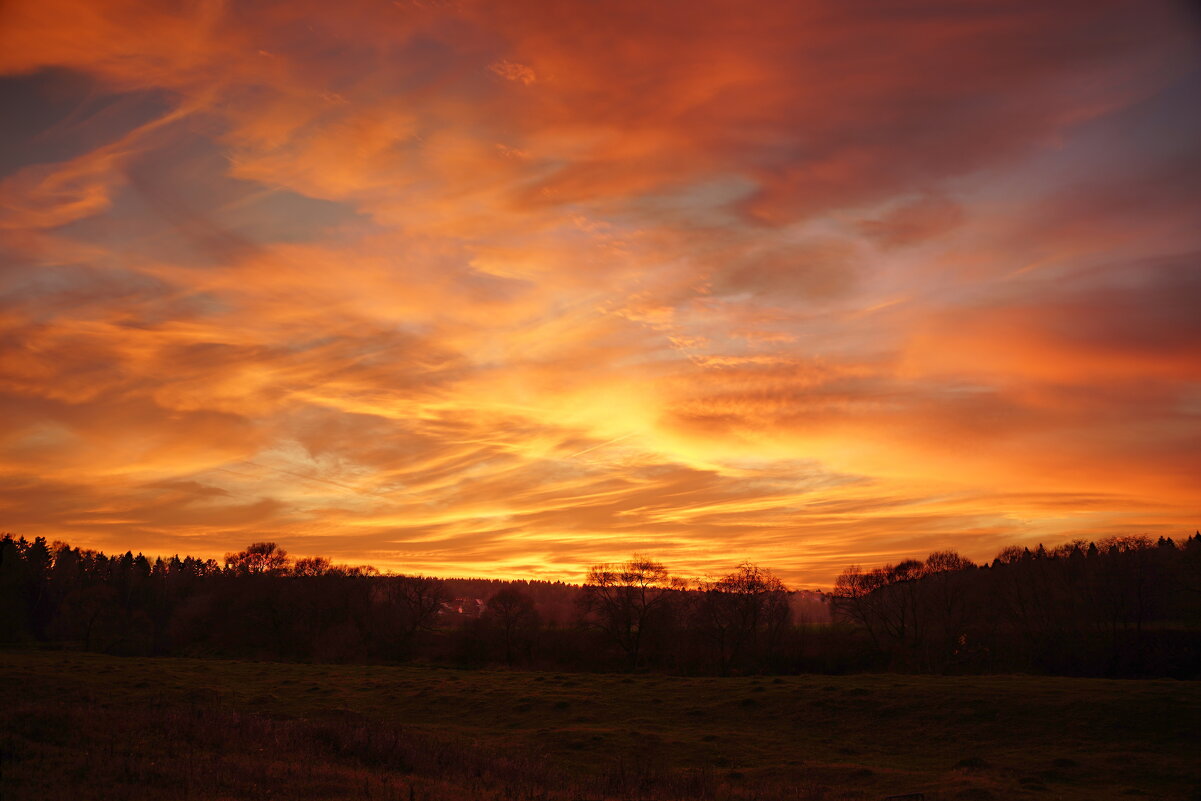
[{"x": 509, "y": 288}]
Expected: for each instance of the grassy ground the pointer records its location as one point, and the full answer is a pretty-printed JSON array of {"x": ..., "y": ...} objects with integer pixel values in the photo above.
[{"x": 79, "y": 726}]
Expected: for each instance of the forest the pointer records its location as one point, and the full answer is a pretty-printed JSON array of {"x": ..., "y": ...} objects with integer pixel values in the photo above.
[{"x": 1118, "y": 607}]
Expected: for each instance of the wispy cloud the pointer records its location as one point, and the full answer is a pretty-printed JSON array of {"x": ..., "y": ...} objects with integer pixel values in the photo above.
[{"x": 482, "y": 287}]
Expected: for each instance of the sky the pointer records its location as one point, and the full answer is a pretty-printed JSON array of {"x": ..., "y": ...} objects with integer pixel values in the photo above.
[{"x": 512, "y": 288}]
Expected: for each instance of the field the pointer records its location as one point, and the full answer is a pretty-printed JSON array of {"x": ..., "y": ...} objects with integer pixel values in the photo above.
[{"x": 84, "y": 726}]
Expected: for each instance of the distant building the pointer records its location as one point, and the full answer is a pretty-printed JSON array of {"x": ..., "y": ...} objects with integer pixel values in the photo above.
[{"x": 463, "y": 607}]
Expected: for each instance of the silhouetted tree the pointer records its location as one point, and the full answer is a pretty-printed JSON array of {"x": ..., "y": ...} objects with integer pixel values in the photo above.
[
  {"x": 258, "y": 558},
  {"x": 743, "y": 616},
  {"x": 406, "y": 606},
  {"x": 945, "y": 591},
  {"x": 515, "y": 617},
  {"x": 15, "y": 590},
  {"x": 313, "y": 566},
  {"x": 626, "y": 601}
]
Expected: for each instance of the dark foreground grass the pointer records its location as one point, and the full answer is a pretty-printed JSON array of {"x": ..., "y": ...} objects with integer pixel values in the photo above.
[{"x": 84, "y": 726}]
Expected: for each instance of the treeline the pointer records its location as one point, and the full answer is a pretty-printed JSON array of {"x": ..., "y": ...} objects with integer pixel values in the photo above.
[
  {"x": 262, "y": 604},
  {"x": 1124, "y": 606},
  {"x": 1121, "y": 607}
]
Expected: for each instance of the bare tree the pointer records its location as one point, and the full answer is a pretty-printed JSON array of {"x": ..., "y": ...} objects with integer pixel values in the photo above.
[
  {"x": 627, "y": 600},
  {"x": 258, "y": 558},
  {"x": 513, "y": 612},
  {"x": 744, "y": 616},
  {"x": 409, "y": 605},
  {"x": 887, "y": 602},
  {"x": 314, "y": 566},
  {"x": 945, "y": 592}
]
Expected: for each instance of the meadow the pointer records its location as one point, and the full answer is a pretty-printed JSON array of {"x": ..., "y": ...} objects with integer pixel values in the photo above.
[{"x": 77, "y": 725}]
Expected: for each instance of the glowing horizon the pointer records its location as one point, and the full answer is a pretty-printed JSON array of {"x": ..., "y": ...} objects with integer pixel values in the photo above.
[{"x": 509, "y": 289}]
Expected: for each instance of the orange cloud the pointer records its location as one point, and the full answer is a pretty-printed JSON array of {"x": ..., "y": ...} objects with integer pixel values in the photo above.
[{"x": 478, "y": 288}]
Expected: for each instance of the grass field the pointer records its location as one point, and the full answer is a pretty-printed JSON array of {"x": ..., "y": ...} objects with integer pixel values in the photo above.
[{"x": 82, "y": 726}]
